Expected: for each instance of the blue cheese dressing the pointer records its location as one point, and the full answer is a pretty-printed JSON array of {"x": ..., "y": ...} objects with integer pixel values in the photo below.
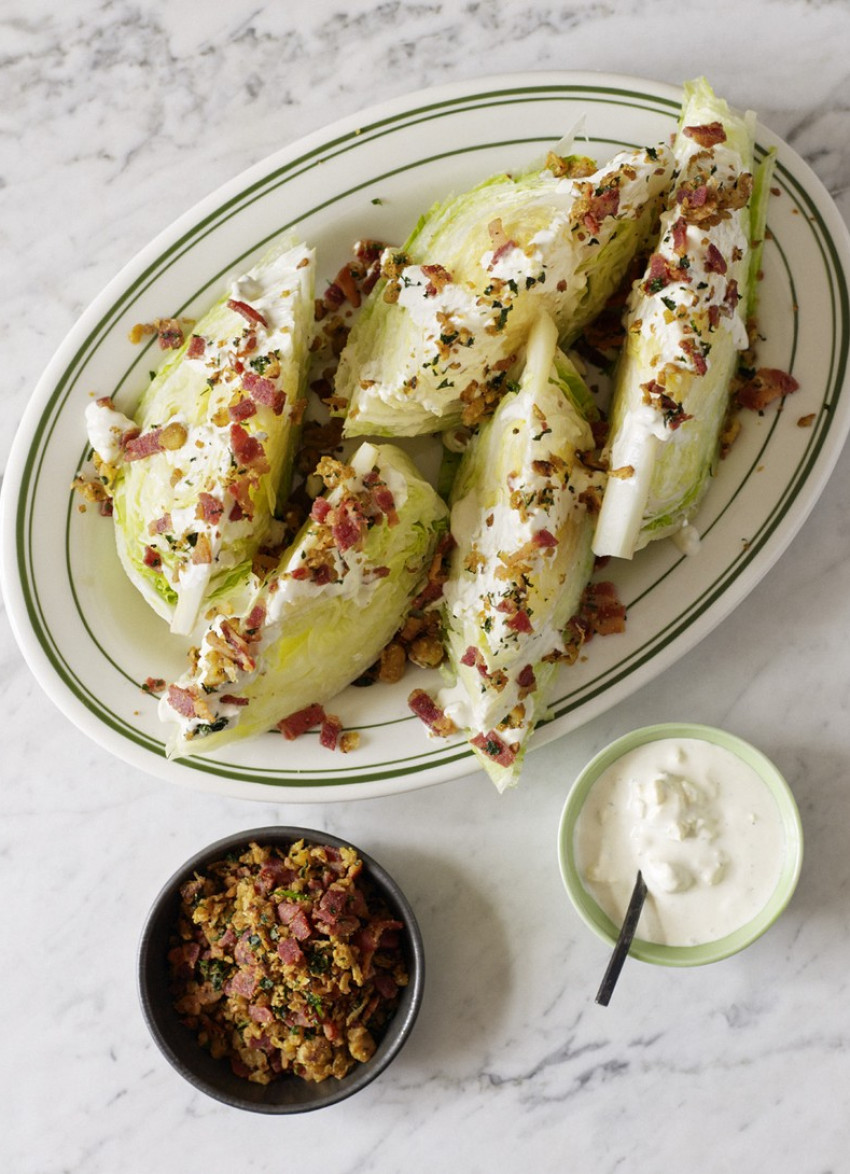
[{"x": 699, "y": 823}]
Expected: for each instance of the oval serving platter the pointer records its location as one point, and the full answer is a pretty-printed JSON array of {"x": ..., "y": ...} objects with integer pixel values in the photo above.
[{"x": 89, "y": 638}]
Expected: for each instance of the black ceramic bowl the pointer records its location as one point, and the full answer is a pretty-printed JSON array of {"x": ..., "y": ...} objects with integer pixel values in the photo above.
[{"x": 289, "y": 1094}]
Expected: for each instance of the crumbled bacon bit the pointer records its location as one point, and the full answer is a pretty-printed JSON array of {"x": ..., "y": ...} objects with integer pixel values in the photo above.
[
  {"x": 495, "y": 748},
  {"x": 209, "y": 508},
  {"x": 188, "y": 703},
  {"x": 248, "y": 450},
  {"x": 660, "y": 273},
  {"x": 768, "y": 384},
  {"x": 264, "y": 391},
  {"x": 348, "y": 525},
  {"x": 673, "y": 412},
  {"x": 694, "y": 352},
  {"x": 601, "y": 609},
  {"x": 345, "y": 286},
  {"x": 153, "y": 685},
  {"x": 706, "y": 203},
  {"x": 248, "y": 312},
  {"x": 708, "y": 135},
  {"x": 243, "y": 507},
  {"x": 243, "y": 409},
  {"x": 238, "y": 648},
  {"x": 715, "y": 262},
  {"x": 320, "y": 510},
  {"x": 170, "y": 335},
  {"x": 424, "y": 706},
  {"x": 694, "y": 195},
  {"x": 438, "y": 279},
  {"x": 330, "y": 731},
  {"x": 160, "y": 525},
  {"x": 143, "y": 444},
  {"x": 731, "y": 297},
  {"x": 679, "y": 236},
  {"x": 255, "y": 619},
  {"x": 474, "y": 658},
  {"x": 152, "y": 558},
  {"x": 602, "y": 204},
  {"x": 299, "y": 723},
  {"x": 576, "y": 634},
  {"x": 181, "y": 700},
  {"x": 381, "y": 497},
  {"x": 197, "y": 347}
]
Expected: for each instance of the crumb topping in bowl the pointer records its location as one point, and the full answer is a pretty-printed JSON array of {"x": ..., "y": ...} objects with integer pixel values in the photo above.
[{"x": 286, "y": 961}]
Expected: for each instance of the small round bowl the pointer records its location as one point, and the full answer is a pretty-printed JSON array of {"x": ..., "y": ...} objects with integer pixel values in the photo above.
[
  {"x": 289, "y": 1094},
  {"x": 714, "y": 951}
]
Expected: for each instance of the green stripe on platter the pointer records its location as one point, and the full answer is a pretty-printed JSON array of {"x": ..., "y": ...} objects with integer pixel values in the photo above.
[{"x": 258, "y": 190}]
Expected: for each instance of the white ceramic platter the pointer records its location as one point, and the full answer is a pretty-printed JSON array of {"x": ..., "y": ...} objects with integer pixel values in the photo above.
[{"x": 89, "y": 638}]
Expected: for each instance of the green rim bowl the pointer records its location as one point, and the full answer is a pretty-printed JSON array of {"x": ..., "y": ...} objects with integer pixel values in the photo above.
[{"x": 647, "y": 951}]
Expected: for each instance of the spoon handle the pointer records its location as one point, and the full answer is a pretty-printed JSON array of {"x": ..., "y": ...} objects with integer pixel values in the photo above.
[{"x": 624, "y": 941}]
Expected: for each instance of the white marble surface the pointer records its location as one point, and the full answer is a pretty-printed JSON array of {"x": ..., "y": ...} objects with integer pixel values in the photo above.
[{"x": 114, "y": 118}]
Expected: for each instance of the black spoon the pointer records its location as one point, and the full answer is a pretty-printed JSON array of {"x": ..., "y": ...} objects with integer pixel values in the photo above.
[{"x": 624, "y": 941}]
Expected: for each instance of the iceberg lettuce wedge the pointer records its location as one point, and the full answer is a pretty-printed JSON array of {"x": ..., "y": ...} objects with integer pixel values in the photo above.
[
  {"x": 197, "y": 475},
  {"x": 314, "y": 625},
  {"x": 686, "y": 327},
  {"x": 446, "y": 326},
  {"x": 522, "y": 557}
]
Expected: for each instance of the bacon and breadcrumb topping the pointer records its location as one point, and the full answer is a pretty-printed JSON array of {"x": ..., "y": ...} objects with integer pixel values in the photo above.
[
  {"x": 425, "y": 707},
  {"x": 332, "y": 736},
  {"x": 287, "y": 963},
  {"x": 763, "y": 387},
  {"x": 419, "y": 640},
  {"x": 169, "y": 332}
]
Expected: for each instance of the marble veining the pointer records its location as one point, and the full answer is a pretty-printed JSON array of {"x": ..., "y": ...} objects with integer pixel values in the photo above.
[{"x": 115, "y": 117}]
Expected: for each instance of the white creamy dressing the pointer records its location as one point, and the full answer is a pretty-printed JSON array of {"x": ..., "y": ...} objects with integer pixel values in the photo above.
[
  {"x": 687, "y": 539},
  {"x": 702, "y": 827},
  {"x": 105, "y": 427},
  {"x": 553, "y": 250},
  {"x": 516, "y": 264}
]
